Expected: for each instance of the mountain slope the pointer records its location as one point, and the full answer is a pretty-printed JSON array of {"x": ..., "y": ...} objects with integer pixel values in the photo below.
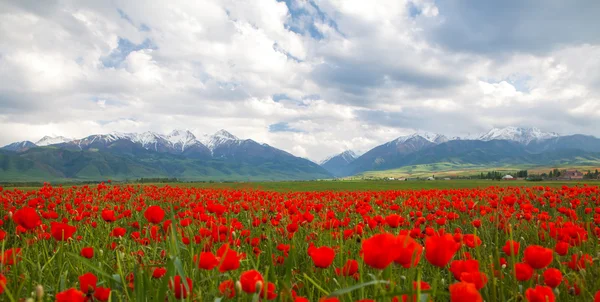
[
  {"x": 337, "y": 164},
  {"x": 386, "y": 156},
  {"x": 54, "y": 163},
  {"x": 19, "y": 146}
]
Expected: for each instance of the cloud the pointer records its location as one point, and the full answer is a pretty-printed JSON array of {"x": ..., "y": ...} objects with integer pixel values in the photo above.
[{"x": 310, "y": 77}]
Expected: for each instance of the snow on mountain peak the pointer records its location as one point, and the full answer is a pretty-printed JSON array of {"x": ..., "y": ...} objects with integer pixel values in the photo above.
[
  {"x": 52, "y": 140},
  {"x": 181, "y": 138},
  {"x": 517, "y": 134},
  {"x": 348, "y": 156},
  {"x": 220, "y": 137},
  {"x": 429, "y": 136}
]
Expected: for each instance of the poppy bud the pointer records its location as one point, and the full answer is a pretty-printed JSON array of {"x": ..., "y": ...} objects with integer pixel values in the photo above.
[
  {"x": 39, "y": 292},
  {"x": 259, "y": 286}
]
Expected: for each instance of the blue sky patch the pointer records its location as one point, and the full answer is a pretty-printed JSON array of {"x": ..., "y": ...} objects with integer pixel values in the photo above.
[
  {"x": 125, "y": 47},
  {"x": 282, "y": 127}
]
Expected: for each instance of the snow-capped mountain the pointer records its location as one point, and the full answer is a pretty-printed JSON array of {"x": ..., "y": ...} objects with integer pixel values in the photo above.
[
  {"x": 347, "y": 156},
  {"x": 52, "y": 140},
  {"x": 336, "y": 164},
  {"x": 19, "y": 146},
  {"x": 221, "y": 137},
  {"x": 428, "y": 136},
  {"x": 517, "y": 134}
]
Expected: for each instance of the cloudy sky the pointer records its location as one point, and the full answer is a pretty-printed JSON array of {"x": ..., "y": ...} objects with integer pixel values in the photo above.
[{"x": 313, "y": 77}]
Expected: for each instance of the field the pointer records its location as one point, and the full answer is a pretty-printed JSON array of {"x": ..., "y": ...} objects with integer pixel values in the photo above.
[
  {"x": 444, "y": 169},
  {"x": 302, "y": 241}
]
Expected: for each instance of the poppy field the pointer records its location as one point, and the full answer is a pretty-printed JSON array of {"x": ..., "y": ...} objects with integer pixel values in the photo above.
[{"x": 165, "y": 243}]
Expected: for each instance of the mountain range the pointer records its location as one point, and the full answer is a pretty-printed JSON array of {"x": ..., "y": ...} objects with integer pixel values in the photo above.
[
  {"x": 223, "y": 156},
  {"x": 499, "y": 146},
  {"x": 180, "y": 154}
]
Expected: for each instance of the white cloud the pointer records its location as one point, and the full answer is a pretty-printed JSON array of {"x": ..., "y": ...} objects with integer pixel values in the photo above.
[{"x": 354, "y": 73}]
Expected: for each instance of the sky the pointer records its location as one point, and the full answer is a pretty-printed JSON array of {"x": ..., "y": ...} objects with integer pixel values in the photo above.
[{"x": 312, "y": 77}]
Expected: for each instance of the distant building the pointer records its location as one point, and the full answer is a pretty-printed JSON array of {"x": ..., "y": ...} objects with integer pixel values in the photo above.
[
  {"x": 572, "y": 174},
  {"x": 508, "y": 177},
  {"x": 430, "y": 178}
]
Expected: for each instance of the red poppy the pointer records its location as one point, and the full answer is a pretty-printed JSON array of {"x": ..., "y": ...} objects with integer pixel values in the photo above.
[
  {"x": 102, "y": 293},
  {"x": 464, "y": 292},
  {"x": 349, "y": 269},
  {"x": 457, "y": 267},
  {"x": 479, "y": 279},
  {"x": 538, "y": 256},
  {"x": 180, "y": 289},
  {"x": 408, "y": 251},
  {"x": 322, "y": 257},
  {"x": 249, "y": 280},
  {"x": 207, "y": 261},
  {"x": 523, "y": 271},
  {"x": 87, "y": 282},
  {"x": 227, "y": 289},
  {"x": 540, "y": 294},
  {"x": 511, "y": 248},
  {"x": 70, "y": 295},
  {"x": 597, "y": 296},
  {"x": 552, "y": 277},
  {"x": 87, "y": 252},
  {"x": 229, "y": 259},
  {"x": 62, "y": 231},
  {"x": 154, "y": 214},
  {"x": 380, "y": 250},
  {"x": 11, "y": 256},
  {"x": 471, "y": 240},
  {"x": 439, "y": 250},
  {"x": 3, "y": 283},
  {"x": 108, "y": 215},
  {"x": 270, "y": 294},
  {"x": 159, "y": 272},
  {"x": 27, "y": 218},
  {"x": 562, "y": 248}
]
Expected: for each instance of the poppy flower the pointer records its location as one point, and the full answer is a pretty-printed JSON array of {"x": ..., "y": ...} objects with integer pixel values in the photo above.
[
  {"x": 154, "y": 214},
  {"x": 87, "y": 283},
  {"x": 87, "y": 252},
  {"x": 270, "y": 294},
  {"x": 439, "y": 250},
  {"x": 27, "y": 218},
  {"x": 349, "y": 269},
  {"x": 511, "y": 248},
  {"x": 478, "y": 278},
  {"x": 159, "y": 272},
  {"x": 408, "y": 251},
  {"x": 552, "y": 277},
  {"x": 597, "y": 296},
  {"x": 540, "y": 294},
  {"x": 538, "y": 256},
  {"x": 322, "y": 257},
  {"x": 70, "y": 295},
  {"x": 471, "y": 240},
  {"x": 457, "y": 267},
  {"x": 523, "y": 271},
  {"x": 180, "y": 289},
  {"x": 2, "y": 283},
  {"x": 227, "y": 289},
  {"x": 62, "y": 231},
  {"x": 562, "y": 248},
  {"x": 230, "y": 260},
  {"x": 11, "y": 256},
  {"x": 108, "y": 215},
  {"x": 207, "y": 261},
  {"x": 380, "y": 250},
  {"x": 249, "y": 280},
  {"x": 102, "y": 293},
  {"x": 464, "y": 292}
]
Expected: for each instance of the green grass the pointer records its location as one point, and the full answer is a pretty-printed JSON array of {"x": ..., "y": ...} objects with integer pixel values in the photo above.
[
  {"x": 457, "y": 170},
  {"x": 363, "y": 185}
]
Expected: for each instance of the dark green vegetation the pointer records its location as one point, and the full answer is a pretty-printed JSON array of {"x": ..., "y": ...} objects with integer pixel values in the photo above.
[{"x": 61, "y": 165}]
